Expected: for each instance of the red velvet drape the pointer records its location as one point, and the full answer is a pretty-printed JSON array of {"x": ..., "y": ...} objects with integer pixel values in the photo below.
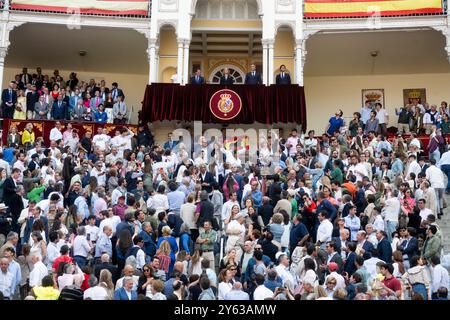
[{"x": 264, "y": 104}]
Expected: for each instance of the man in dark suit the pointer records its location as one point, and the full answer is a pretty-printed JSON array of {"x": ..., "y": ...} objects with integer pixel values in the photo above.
[
  {"x": 9, "y": 100},
  {"x": 226, "y": 79},
  {"x": 73, "y": 81},
  {"x": 115, "y": 91},
  {"x": 25, "y": 78},
  {"x": 283, "y": 77},
  {"x": 32, "y": 98},
  {"x": 206, "y": 178},
  {"x": 341, "y": 241},
  {"x": 253, "y": 77},
  {"x": 170, "y": 143},
  {"x": 384, "y": 247},
  {"x": 197, "y": 78},
  {"x": 60, "y": 109},
  {"x": 104, "y": 264},
  {"x": 410, "y": 246},
  {"x": 365, "y": 246},
  {"x": 10, "y": 185},
  {"x": 334, "y": 256},
  {"x": 30, "y": 221}
]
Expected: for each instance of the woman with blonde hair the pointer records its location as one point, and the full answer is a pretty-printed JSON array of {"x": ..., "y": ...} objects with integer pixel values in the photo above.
[
  {"x": 196, "y": 263},
  {"x": 105, "y": 281},
  {"x": 166, "y": 236},
  {"x": 13, "y": 139},
  {"x": 230, "y": 260},
  {"x": 28, "y": 136},
  {"x": 20, "y": 110},
  {"x": 164, "y": 254}
]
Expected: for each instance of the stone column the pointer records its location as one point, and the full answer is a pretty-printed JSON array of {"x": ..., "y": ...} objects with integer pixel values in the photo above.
[
  {"x": 299, "y": 61},
  {"x": 186, "y": 61},
  {"x": 271, "y": 61},
  {"x": 180, "y": 61},
  {"x": 151, "y": 52}
]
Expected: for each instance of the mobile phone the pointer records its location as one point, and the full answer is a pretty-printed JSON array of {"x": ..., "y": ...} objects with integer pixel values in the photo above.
[{"x": 88, "y": 237}]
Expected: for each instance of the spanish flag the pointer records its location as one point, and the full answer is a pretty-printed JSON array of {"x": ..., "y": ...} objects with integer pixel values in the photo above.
[
  {"x": 241, "y": 142},
  {"x": 109, "y": 7},
  {"x": 367, "y": 8}
]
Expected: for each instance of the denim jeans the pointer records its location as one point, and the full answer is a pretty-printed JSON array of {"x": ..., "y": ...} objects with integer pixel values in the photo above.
[
  {"x": 391, "y": 226},
  {"x": 446, "y": 169},
  {"x": 435, "y": 155},
  {"x": 439, "y": 198},
  {"x": 81, "y": 261},
  {"x": 420, "y": 289}
]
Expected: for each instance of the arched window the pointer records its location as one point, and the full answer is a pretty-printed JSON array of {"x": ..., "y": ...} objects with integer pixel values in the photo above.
[{"x": 235, "y": 72}]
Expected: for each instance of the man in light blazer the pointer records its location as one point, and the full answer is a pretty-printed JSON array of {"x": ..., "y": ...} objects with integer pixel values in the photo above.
[
  {"x": 79, "y": 111},
  {"x": 120, "y": 111},
  {"x": 126, "y": 292},
  {"x": 41, "y": 109}
]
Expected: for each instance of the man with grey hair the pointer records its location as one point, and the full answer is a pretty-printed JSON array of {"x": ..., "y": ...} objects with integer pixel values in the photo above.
[
  {"x": 7, "y": 283},
  {"x": 81, "y": 203},
  {"x": 95, "y": 291},
  {"x": 128, "y": 272},
  {"x": 81, "y": 247},
  {"x": 236, "y": 293},
  {"x": 126, "y": 291},
  {"x": 39, "y": 271},
  {"x": 11, "y": 242},
  {"x": 104, "y": 244}
]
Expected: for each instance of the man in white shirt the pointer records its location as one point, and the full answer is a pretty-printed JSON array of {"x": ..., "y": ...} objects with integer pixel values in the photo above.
[
  {"x": 413, "y": 166},
  {"x": 261, "y": 291},
  {"x": 95, "y": 292},
  {"x": 283, "y": 270},
  {"x": 53, "y": 251},
  {"x": 424, "y": 212},
  {"x": 352, "y": 222},
  {"x": 100, "y": 140},
  {"x": 7, "y": 283},
  {"x": 357, "y": 168},
  {"x": 99, "y": 171},
  {"x": 325, "y": 230},
  {"x": 436, "y": 178},
  {"x": 55, "y": 133},
  {"x": 138, "y": 252},
  {"x": 439, "y": 276},
  {"x": 390, "y": 212},
  {"x": 92, "y": 231},
  {"x": 227, "y": 206},
  {"x": 81, "y": 247},
  {"x": 39, "y": 271},
  {"x": 291, "y": 143},
  {"x": 112, "y": 157}
]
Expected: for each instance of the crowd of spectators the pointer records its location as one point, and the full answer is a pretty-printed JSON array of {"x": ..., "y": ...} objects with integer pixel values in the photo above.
[
  {"x": 41, "y": 97},
  {"x": 349, "y": 215}
]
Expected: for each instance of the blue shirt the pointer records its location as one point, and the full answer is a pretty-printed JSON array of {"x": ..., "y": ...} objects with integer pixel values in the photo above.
[
  {"x": 298, "y": 231},
  {"x": 176, "y": 200},
  {"x": 100, "y": 117},
  {"x": 14, "y": 268},
  {"x": 103, "y": 245},
  {"x": 335, "y": 125},
  {"x": 257, "y": 199},
  {"x": 236, "y": 295}
]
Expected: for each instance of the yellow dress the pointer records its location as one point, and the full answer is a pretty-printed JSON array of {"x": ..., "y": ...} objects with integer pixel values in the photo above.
[
  {"x": 22, "y": 103},
  {"x": 27, "y": 136}
]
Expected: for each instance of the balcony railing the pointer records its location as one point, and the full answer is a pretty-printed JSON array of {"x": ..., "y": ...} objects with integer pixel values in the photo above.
[
  {"x": 6, "y": 5},
  {"x": 443, "y": 13}
]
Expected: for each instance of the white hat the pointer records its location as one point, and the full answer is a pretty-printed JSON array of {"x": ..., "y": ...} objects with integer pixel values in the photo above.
[
  {"x": 241, "y": 215},
  {"x": 3, "y": 206},
  {"x": 279, "y": 254}
]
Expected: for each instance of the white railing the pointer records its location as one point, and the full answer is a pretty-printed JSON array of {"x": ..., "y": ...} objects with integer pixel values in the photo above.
[
  {"x": 5, "y": 6},
  {"x": 443, "y": 13}
]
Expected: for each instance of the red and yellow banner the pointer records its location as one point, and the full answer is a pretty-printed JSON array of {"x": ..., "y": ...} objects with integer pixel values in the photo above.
[
  {"x": 365, "y": 8},
  {"x": 112, "y": 7}
]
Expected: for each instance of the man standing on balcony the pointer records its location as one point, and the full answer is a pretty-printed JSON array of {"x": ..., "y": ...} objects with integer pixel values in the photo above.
[
  {"x": 226, "y": 79},
  {"x": 283, "y": 77},
  {"x": 9, "y": 100},
  {"x": 116, "y": 92},
  {"x": 197, "y": 78},
  {"x": 120, "y": 111},
  {"x": 253, "y": 77},
  {"x": 41, "y": 109}
]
